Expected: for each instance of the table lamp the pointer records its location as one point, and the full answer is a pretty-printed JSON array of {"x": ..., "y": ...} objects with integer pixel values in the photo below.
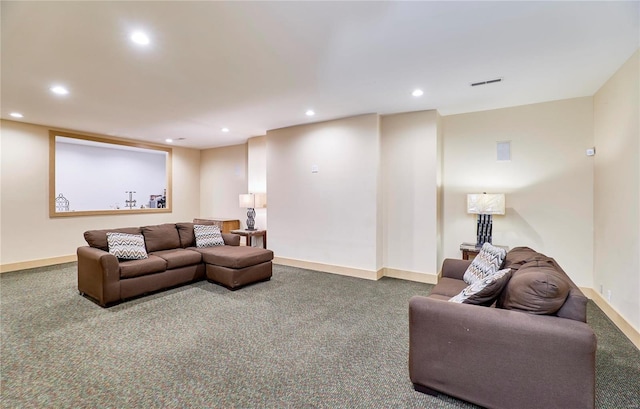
[{"x": 485, "y": 205}]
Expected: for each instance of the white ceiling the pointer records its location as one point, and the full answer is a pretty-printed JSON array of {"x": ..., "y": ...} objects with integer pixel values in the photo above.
[{"x": 256, "y": 66}]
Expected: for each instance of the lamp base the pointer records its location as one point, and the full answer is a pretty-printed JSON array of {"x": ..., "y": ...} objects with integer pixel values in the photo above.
[
  {"x": 484, "y": 229},
  {"x": 251, "y": 222}
]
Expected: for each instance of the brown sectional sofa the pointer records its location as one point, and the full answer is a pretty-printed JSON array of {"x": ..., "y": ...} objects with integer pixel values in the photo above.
[
  {"x": 514, "y": 354},
  {"x": 172, "y": 260}
]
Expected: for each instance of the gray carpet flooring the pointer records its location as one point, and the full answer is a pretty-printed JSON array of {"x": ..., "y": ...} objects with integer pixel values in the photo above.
[{"x": 302, "y": 340}]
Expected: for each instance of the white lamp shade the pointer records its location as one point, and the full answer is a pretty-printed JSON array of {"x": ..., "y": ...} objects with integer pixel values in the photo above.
[
  {"x": 247, "y": 201},
  {"x": 261, "y": 200},
  {"x": 486, "y": 203}
]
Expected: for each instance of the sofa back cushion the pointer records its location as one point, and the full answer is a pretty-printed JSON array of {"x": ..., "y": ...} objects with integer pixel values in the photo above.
[
  {"x": 518, "y": 256},
  {"x": 161, "y": 237},
  {"x": 536, "y": 290},
  {"x": 98, "y": 238},
  {"x": 187, "y": 237},
  {"x": 575, "y": 304}
]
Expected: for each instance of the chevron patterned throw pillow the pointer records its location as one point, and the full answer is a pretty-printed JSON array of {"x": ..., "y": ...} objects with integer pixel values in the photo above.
[
  {"x": 486, "y": 262},
  {"x": 127, "y": 246},
  {"x": 485, "y": 291},
  {"x": 208, "y": 235}
]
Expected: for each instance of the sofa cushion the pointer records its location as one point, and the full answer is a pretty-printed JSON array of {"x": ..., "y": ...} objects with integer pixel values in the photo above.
[
  {"x": 231, "y": 239},
  {"x": 537, "y": 288},
  {"x": 136, "y": 268},
  {"x": 98, "y": 238},
  {"x": 235, "y": 256},
  {"x": 185, "y": 232},
  {"x": 161, "y": 237},
  {"x": 179, "y": 257},
  {"x": 486, "y": 262},
  {"x": 518, "y": 256},
  {"x": 448, "y": 287},
  {"x": 485, "y": 291},
  {"x": 208, "y": 236},
  {"x": 575, "y": 306},
  {"x": 126, "y": 246}
]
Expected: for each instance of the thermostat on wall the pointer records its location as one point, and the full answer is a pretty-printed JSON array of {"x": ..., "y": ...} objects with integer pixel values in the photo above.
[{"x": 591, "y": 151}]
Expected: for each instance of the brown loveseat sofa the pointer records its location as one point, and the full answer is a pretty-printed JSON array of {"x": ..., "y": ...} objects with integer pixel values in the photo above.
[
  {"x": 172, "y": 260},
  {"x": 521, "y": 357}
]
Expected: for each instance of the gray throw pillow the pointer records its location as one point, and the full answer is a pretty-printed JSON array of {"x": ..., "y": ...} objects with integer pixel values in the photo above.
[
  {"x": 208, "y": 236},
  {"x": 127, "y": 246},
  {"x": 486, "y": 262},
  {"x": 485, "y": 291}
]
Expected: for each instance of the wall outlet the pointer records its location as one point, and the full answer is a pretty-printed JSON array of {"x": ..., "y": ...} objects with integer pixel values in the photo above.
[{"x": 609, "y": 295}]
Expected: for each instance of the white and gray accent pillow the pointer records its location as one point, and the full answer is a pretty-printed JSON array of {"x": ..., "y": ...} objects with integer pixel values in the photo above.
[
  {"x": 208, "y": 235},
  {"x": 127, "y": 246},
  {"x": 486, "y": 262},
  {"x": 485, "y": 291}
]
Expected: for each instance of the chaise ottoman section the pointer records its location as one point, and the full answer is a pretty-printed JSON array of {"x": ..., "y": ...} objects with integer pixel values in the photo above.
[
  {"x": 237, "y": 266},
  {"x": 234, "y": 278}
]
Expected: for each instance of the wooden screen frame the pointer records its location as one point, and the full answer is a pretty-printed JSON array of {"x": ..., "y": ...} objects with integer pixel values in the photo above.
[{"x": 105, "y": 212}]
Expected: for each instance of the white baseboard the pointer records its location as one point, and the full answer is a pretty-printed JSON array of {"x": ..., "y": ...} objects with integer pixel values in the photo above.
[
  {"x": 627, "y": 329},
  {"x": 410, "y": 275},
  {"x": 329, "y": 268},
  {"x": 43, "y": 262},
  {"x": 359, "y": 273}
]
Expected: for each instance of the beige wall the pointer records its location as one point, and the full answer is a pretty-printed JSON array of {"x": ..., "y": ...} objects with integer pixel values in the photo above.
[
  {"x": 29, "y": 234},
  {"x": 223, "y": 177},
  {"x": 409, "y": 152},
  {"x": 376, "y": 201},
  {"x": 548, "y": 182},
  {"x": 331, "y": 216},
  {"x": 617, "y": 190}
]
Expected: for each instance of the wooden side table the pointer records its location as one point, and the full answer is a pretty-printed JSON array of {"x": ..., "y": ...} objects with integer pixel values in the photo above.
[
  {"x": 226, "y": 225},
  {"x": 470, "y": 250},
  {"x": 252, "y": 233}
]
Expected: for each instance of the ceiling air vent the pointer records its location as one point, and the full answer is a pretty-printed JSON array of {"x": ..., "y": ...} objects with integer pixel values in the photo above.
[{"x": 487, "y": 82}]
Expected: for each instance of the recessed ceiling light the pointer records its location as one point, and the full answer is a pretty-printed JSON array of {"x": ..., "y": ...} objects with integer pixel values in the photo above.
[
  {"x": 16, "y": 115},
  {"x": 60, "y": 90},
  {"x": 417, "y": 93},
  {"x": 168, "y": 140},
  {"x": 310, "y": 112},
  {"x": 225, "y": 129},
  {"x": 139, "y": 37}
]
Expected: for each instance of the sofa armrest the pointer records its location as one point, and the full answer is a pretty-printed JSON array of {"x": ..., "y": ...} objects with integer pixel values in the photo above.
[
  {"x": 499, "y": 358},
  {"x": 231, "y": 239},
  {"x": 98, "y": 275},
  {"x": 454, "y": 268}
]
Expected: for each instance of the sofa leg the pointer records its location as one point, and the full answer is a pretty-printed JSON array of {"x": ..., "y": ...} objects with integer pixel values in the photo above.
[{"x": 424, "y": 389}]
